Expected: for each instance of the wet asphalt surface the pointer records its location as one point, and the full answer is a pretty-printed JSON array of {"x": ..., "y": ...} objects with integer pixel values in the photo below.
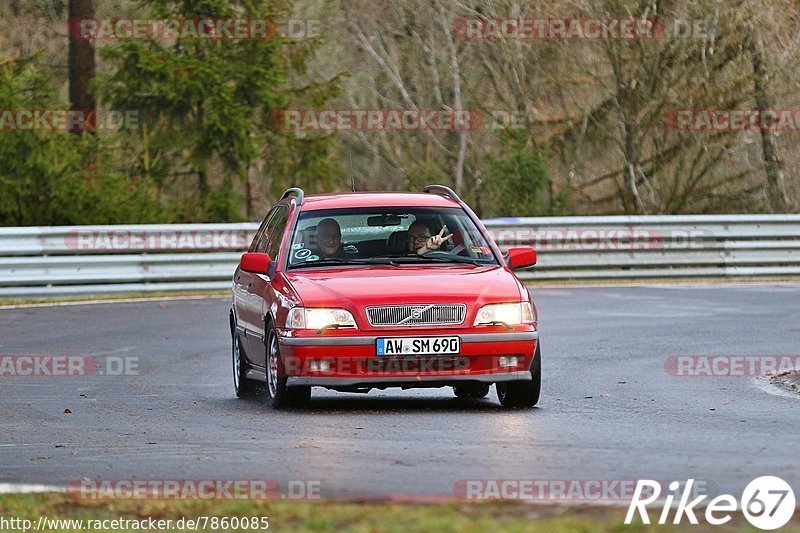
[{"x": 609, "y": 410}]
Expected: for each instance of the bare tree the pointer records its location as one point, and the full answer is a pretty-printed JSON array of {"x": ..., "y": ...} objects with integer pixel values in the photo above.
[
  {"x": 82, "y": 64},
  {"x": 411, "y": 60},
  {"x": 776, "y": 184},
  {"x": 599, "y": 107}
]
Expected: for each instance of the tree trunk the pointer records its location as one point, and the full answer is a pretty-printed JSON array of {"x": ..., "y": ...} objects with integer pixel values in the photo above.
[
  {"x": 81, "y": 64},
  {"x": 248, "y": 192},
  {"x": 630, "y": 162},
  {"x": 776, "y": 184}
]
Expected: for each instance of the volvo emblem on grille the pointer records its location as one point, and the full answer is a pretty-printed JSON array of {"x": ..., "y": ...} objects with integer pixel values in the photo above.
[{"x": 416, "y": 314}]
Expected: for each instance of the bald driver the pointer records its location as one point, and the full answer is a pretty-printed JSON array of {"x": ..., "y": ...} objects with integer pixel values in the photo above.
[{"x": 329, "y": 238}]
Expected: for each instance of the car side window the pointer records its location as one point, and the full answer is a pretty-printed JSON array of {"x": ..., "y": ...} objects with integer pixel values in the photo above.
[
  {"x": 276, "y": 235},
  {"x": 262, "y": 230},
  {"x": 263, "y": 243}
]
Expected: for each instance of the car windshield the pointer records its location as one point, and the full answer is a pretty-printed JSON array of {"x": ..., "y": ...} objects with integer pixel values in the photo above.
[{"x": 387, "y": 235}]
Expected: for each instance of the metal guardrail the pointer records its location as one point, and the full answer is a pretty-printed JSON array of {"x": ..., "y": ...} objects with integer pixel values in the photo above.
[
  {"x": 41, "y": 262},
  {"x": 653, "y": 247}
]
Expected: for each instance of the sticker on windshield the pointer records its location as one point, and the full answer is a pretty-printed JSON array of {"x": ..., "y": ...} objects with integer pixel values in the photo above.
[
  {"x": 302, "y": 254},
  {"x": 299, "y": 246},
  {"x": 313, "y": 258}
]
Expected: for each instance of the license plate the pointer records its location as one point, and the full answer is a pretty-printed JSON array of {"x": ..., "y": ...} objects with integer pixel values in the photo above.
[{"x": 418, "y": 346}]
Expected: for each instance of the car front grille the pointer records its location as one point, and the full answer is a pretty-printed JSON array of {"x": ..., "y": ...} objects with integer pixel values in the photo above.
[{"x": 416, "y": 315}]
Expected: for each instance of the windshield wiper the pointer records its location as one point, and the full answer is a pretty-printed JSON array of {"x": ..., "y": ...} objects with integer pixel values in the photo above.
[
  {"x": 453, "y": 259},
  {"x": 328, "y": 261},
  {"x": 407, "y": 259},
  {"x": 392, "y": 260},
  {"x": 382, "y": 260}
]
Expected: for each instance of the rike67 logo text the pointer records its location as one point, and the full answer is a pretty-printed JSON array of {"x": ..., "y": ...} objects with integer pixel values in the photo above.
[{"x": 767, "y": 502}]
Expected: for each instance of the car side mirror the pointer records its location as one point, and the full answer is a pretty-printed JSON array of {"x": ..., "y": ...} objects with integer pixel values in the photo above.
[
  {"x": 257, "y": 263},
  {"x": 521, "y": 258}
]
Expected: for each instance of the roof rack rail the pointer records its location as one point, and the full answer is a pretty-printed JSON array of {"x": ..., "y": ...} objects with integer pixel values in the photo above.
[
  {"x": 299, "y": 194},
  {"x": 443, "y": 189}
]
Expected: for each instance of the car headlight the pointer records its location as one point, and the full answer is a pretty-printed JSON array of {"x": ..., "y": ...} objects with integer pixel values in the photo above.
[
  {"x": 512, "y": 314},
  {"x": 318, "y": 318}
]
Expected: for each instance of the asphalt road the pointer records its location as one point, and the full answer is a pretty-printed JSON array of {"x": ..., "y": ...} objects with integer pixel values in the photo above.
[{"x": 179, "y": 419}]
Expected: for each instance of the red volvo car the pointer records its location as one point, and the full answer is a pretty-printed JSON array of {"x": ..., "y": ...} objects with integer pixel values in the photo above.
[{"x": 361, "y": 291}]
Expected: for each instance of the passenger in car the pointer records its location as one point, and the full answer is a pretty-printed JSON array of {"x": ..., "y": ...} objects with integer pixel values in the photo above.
[
  {"x": 329, "y": 238},
  {"x": 420, "y": 240}
]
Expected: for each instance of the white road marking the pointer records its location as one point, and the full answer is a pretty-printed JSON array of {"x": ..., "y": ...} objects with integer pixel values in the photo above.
[
  {"x": 22, "y": 488},
  {"x": 115, "y": 301}
]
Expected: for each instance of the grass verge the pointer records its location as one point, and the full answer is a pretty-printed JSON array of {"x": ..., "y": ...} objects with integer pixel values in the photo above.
[{"x": 325, "y": 515}]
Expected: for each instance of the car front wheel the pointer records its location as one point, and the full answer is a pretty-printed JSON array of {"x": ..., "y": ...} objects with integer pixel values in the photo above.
[
  {"x": 278, "y": 394},
  {"x": 523, "y": 393}
]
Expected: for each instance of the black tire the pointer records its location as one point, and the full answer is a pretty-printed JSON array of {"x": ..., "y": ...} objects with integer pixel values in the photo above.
[
  {"x": 471, "y": 390},
  {"x": 278, "y": 394},
  {"x": 523, "y": 393},
  {"x": 244, "y": 387}
]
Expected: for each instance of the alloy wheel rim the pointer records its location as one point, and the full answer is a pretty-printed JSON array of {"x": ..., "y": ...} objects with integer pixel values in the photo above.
[
  {"x": 273, "y": 367},
  {"x": 237, "y": 363}
]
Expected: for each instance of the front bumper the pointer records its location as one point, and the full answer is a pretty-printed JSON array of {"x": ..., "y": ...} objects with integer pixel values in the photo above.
[
  {"x": 404, "y": 381},
  {"x": 351, "y": 360},
  {"x": 360, "y": 340}
]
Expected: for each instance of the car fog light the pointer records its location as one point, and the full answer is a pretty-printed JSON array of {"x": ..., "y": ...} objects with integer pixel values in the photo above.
[
  {"x": 506, "y": 361},
  {"x": 324, "y": 366},
  {"x": 313, "y": 365}
]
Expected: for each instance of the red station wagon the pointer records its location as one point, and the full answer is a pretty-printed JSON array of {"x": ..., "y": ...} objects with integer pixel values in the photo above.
[{"x": 370, "y": 290}]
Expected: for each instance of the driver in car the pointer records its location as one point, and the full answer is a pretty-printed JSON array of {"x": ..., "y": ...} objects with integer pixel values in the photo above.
[
  {"x": 329, "y": 239},
  {"x": 420, "y": 240}
]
